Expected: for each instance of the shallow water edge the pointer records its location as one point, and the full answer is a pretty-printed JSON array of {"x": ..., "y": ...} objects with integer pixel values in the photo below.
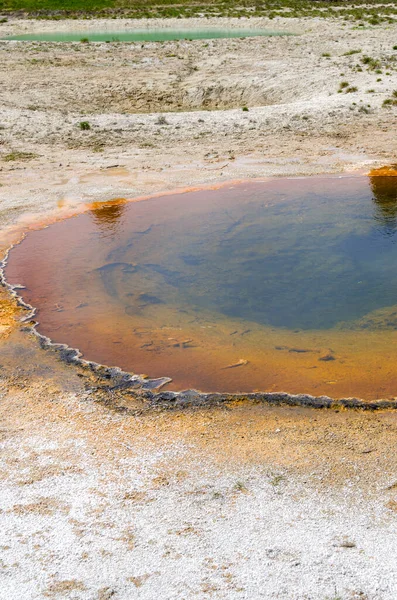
[{"x": 149, "y": 390}]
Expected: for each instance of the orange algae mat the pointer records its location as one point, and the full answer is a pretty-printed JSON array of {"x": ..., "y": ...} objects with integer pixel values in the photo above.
[{"x": 285, "y": 285}]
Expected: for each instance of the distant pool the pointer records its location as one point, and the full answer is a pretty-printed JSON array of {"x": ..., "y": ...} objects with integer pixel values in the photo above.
[{"x": 144, "y": 35}]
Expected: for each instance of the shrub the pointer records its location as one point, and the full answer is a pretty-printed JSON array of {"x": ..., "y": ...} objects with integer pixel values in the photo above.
[
  {"x": 351, "y": 52},
  {"x": 84, "y": 125},
  {"x": 161, "y": 120},
  {"x": 371, "y": 63},
  {"x": 390, "y": 101}
]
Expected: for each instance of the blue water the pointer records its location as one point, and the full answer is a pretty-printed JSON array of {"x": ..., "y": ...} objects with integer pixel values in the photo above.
[{"x": 305, "y": 254}]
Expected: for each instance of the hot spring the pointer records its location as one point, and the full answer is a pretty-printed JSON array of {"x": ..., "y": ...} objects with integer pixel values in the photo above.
[
  {"x": 281, "y": 285},
  {"x": 143, "y": 35}
]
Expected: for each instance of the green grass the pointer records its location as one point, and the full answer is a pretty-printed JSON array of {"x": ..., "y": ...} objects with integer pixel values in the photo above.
[
  {"x": 371, "y": 63},
  {"x": 351, "y": 52},
  {"x": 391, "y": 101},
  {"x": 56, "y": 5},
  {"x": 19, "y": 156},
  {"x": 361, "y": 12}
]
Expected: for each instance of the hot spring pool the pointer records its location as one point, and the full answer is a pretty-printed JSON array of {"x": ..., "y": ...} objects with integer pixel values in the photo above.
[
  {"x": 143, "y": 35},
  {"x": 283, "y": 285}
]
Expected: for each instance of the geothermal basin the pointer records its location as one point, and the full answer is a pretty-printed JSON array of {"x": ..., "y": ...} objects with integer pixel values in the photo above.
[{"x": 279, "y": 285}]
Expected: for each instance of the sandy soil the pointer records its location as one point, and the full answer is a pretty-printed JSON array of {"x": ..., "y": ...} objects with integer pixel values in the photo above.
[{"x": 244, "y": 501}]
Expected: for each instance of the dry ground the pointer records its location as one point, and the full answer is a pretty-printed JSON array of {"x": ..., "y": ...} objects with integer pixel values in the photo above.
[
  {"x": 297, "y": 121},
  {"x": 235, "y": 502}
]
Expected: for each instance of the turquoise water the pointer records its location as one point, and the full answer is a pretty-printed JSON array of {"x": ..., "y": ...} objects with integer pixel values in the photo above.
[{"x": 144, "y": 35}]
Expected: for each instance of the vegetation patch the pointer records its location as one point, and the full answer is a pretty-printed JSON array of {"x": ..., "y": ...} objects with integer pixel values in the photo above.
[
  {"x": 392, "y": 101},
  {"x": 351, "y": 52},
  {"x": 13, "y": 156},
  {"x": 369, "y": 13}
]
